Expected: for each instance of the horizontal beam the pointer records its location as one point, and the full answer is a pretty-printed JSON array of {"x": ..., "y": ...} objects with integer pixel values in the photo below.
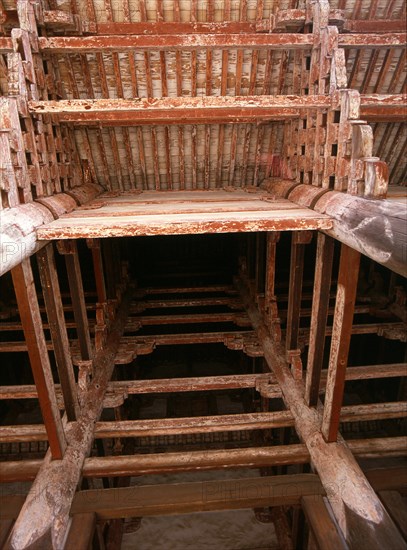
[
  {"x": 265, "y": 383},
  {"x": 178, "y": 110},
  {"x": 131, "y": 342},
  {"x": 252, "y": 457},
  {"x": 206, "y": 110},
  {"x": 180, "y": 39},
  {"x": 375, "y": 25},
  {"x": 206, "y": 424},
  {"x": 380, "y": 479},
  {"x": 114, "y": 43}
]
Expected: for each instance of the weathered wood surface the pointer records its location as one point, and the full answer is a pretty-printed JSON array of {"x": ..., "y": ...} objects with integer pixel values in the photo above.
[
  {"x": 81, "y": 531},
  {"x": 354, "y": 502},
  {"x": 255, "y": 457},
  {"x": 27, "y": 302},
  {"x": 59, "y": 335},
  {"x": 206, "y": 424},
  {"x": 46, "y": 509},
  {"x": 340, "y": 340},
  {"x": 116, "y": 42},
  {"x": 217, "y": 212},
  {"x": 376, "y": 228},
  {"x": 322, "y": 523},
  {"x": 265, "y": 383}
]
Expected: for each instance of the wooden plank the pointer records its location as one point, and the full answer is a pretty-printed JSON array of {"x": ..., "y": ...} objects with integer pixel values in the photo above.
[
  {"x": 59, "y": 336},
  {"x": 322, "y": 524},
  {"x": 27, "y": 301},
  {"x": 319, "y": 316},
  {"x": 197, "y": 496},
  {"x": 340, "y": 340},
  {"x": 133, "y": 218}
]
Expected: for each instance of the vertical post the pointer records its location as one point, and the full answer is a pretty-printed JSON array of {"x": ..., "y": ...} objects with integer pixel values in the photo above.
[
  {"x": 319, "y": 315},
  {"x": 94, "y": 245},
  {"x": 81, "y": 531},
  {"x": 260, "y": 267},
  {"x": 56, "y": 319},
  {"x": 273, "y": 320},
  {"x": 341, "y": 335},
  {"x": 70, "y": 250},
  {"x": 298, "y": 242},
  {"x": 29, "y": 310}
]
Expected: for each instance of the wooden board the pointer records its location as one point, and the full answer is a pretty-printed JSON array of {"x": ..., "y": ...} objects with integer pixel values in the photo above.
[{"x": 160, "y": 213}]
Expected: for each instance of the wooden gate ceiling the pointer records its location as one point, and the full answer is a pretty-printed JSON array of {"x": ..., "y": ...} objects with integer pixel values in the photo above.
[{"x": 208, "y": 156}]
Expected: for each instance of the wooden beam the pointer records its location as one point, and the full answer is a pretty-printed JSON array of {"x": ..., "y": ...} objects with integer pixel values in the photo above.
[
  {"x": 160, "y": 463},
  {"x": 206, "y": 424},
  {"x": 319, "y": 316},
  {"x": 154, "y": 28},
  {"x": 340, "y": 340},
  {"x": 374, "y": 26},
  {"x": 81, "y": 531},
  {"x": 230, "y": 494},
  {"x": 70, "y": 251},
  {"x": 147, "y": 42},
  {"x": 27, "y": 302},
  {"x": 385, "y": 40},
  {"x": 322, "y": 524},
  {"x": 52, "y": 492},
  {"x": 397, "y": 508},
  {"x": 376, "y": 228},
  {"x": 197, "y": 41},
  {"x": 178, "y": 110},
  {"x": 59, "y": 336},
  {"x": 298, "y": 242},
  {"x": 354, "y": 503}
]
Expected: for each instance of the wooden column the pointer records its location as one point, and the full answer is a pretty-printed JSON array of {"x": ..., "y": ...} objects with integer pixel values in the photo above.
[
  {"x": 361, "y": 516},
  {"x": 50, "y": 497},
  {"x": 270, "y": 299},
  {"x": 322, "y": 524},
  {"x": 95, "y": 246},
  {"x": 56, "y": 319},
  {"x": 340, "y": 342},
  {"x": 319, "y": 316},
  {"x": 298, "y": 242},
  {"x": 81, "y": 532},
  {"x": 29, "y": 310},
  {"x": 70, "y": 250}
]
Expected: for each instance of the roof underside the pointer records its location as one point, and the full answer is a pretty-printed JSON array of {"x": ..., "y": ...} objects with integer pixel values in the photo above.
[{"x": 210, "y": 156}]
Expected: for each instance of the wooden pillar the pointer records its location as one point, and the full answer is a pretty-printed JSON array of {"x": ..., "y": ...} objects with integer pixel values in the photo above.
[
  {"x": 271, "y": 309},
  {"x": 361, "y": 516},
  {"x": 50, "y": 498},
  {"x": 95, "y": 246},
  {"x": 340, "y": 342},
  {"x": 81, "y": 532},
  {"x": 29, "y": 310},
  {"x": 322, "y": 524},
  {"x": 298, "y": 241},
  {"x": 319, "y": 316},
  {"x": 56, "y": 319},
  {"x": 70, "y": 251}
]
